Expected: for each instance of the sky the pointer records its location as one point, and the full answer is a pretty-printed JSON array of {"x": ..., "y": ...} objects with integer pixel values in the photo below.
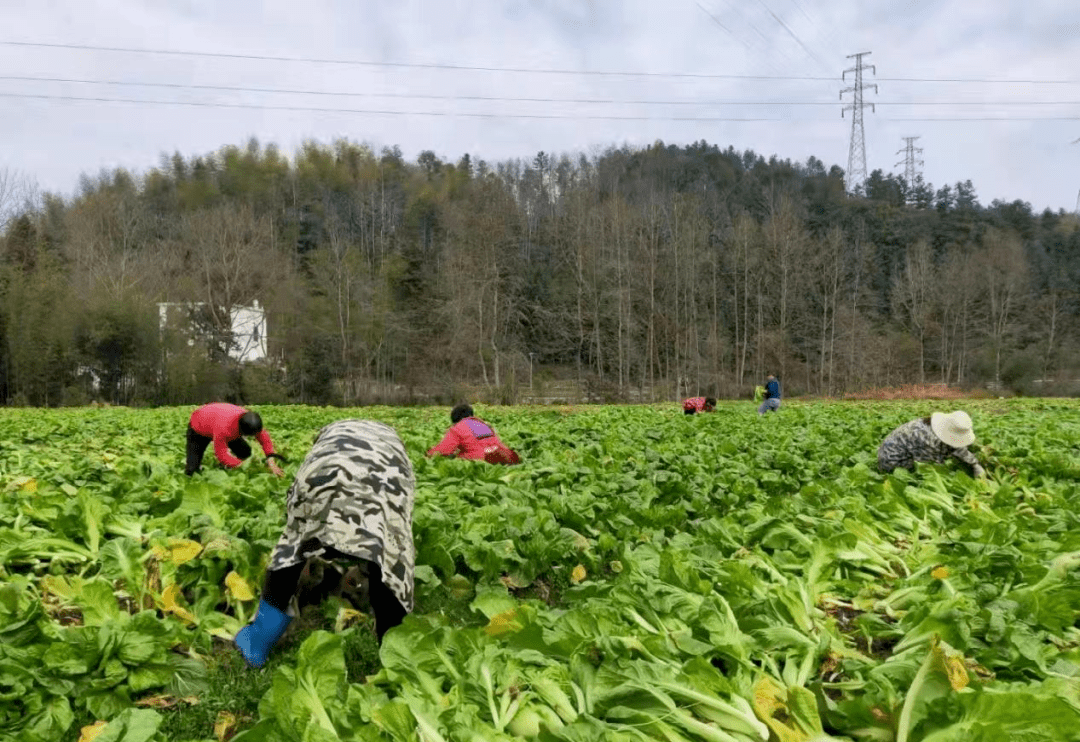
[{"x": 991, "y": 89}]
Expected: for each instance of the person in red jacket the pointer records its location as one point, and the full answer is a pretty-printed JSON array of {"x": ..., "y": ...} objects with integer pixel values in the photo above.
[
  {"x": 471, "y": 438},
  {"x": 695, "y": 405},
  {"x": 224, "y": 425}
]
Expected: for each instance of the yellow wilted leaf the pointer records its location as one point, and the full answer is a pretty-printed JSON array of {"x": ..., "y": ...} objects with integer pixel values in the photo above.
[
  {"x": 166, "y": 701},
  {"x": 502, "y": 623},
  {"x": 168, "y": 598},
  {"x": 183, "y": 550},
  {"x": 217, "y": 544},
  {"x": 940, "y": 573},
  {"x": 347, "y": 617},
  {"x": 26, "y": 484},
  {"x": 238, "y": 587},
  {"x": 951, "y": 662},
  {"x": 92, "y": 731},
  {"x": 791, "y": 713},
  {"x": 225, "y": 725},
  {"x": 578, "y": 574}
]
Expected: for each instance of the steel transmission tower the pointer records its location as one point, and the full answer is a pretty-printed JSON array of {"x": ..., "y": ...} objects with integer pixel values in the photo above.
[
  {"x": 856, "y": 172},
  {"x": 910, "y": 163}
]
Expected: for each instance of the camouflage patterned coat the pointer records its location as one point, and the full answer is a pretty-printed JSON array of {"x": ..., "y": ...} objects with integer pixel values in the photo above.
[
  {"x": 915, "y": 441},
  {"x": 354, "y": 492}
]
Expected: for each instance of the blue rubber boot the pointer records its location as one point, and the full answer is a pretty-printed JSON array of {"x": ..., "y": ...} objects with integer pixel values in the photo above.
[{"x": 255, "y": 640}]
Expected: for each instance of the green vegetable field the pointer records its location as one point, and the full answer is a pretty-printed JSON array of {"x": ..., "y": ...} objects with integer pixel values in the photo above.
[{"x": 643, "y": 575}]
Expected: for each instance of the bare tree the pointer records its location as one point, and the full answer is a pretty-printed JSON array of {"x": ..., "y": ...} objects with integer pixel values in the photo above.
[
  {"x": 1004, "y": 275},
  {"x": 107, "y": 243},
  {"x": 911, "y": 296},
  {"x": 18, "y": 194},
  {"x": 230, "y": 260}
]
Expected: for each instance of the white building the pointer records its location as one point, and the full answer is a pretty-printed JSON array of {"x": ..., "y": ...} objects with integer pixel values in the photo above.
[{"x": 247, "y": 327}]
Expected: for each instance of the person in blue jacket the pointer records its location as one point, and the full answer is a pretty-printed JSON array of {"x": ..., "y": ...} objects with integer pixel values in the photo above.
[{"x": 772, "y": 396}]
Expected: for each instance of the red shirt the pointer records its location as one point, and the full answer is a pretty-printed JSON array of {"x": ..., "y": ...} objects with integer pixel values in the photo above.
[
  {"x": 697, "y": 404},
  {"x": 221, "y": 422},
  {"x": 472, "y": 438}
]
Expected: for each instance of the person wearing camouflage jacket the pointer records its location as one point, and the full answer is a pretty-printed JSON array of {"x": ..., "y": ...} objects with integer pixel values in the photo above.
[
  {"x": 351, "y": 502},
  {"x": 931, "y": 439}
]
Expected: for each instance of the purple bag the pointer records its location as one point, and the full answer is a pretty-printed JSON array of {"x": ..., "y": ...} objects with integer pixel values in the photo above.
[{"x": 479, "y": 429}]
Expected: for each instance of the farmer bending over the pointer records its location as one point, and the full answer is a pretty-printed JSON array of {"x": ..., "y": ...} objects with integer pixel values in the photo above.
[
  {"x": 931, "y": 439},
  {"x": 471, "y": 438},
  {"x": 695, "y": 405},
  {"x": 350, "y": 505},
  {"x": 225, "y": 425}
]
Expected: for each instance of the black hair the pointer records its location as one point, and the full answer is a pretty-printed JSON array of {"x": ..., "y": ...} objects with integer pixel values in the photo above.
[
  {"x": 460, "y": 412},
  {"x": 250, "y": 423},
  {"x": 710, "y": 401}
]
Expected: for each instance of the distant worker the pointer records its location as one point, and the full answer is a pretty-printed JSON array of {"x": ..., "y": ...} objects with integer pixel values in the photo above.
[
  {"x": 224, "y": 425},
  {"x": 350, "y": 505},
  {"x": 772, "y": 396},
  {"x": 931, "y": 439},
  {"x": 695, "y": 405},
  {"x": 471, "y": 438}
]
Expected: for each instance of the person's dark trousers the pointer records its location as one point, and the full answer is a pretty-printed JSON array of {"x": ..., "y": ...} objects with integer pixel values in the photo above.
[
  {"x": 196, "y": 448},
  {"x": 280, "y": 585}
]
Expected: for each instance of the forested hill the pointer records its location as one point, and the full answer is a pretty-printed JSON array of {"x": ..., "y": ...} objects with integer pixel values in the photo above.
[{"x": 636, "y": 274}]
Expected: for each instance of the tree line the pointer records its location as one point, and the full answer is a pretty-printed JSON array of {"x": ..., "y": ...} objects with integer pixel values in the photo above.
[{"x": 636, "y": 273}]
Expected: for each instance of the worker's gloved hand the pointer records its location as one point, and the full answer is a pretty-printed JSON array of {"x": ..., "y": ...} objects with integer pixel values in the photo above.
[{"x": 980, "y": 473}]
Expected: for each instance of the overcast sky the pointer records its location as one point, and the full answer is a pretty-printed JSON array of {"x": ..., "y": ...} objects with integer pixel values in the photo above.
[{"x": 417, "y": 104}]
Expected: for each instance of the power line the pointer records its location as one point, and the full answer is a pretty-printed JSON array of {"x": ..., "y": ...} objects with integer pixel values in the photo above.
[
  {"x": 522, "y": 70},
  {"x": 718, "y": 23},
  {"x": 378, "y": 112},
  {"x": 407, "y": 65},
  {"x": 988, "y": 80},
  {"x": 383, "y": 112},
  {"x": 791, "y": 33},
  {"x": 989, "y": 118},
  {"x": 423, "y": 96},
  {"x": 435, "y": 96},
  {"x": 735, "y": 36}
]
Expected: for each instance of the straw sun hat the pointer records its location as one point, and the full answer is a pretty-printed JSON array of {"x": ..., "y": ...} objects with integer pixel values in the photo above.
[{"x": 954, "y": 429}]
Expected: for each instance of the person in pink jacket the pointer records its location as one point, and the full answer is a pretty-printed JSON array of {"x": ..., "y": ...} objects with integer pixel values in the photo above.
[
  {"x": 694, "y": 405},
  {"x": 224, "y": 425},
  {"x": 471, "y": 438}
]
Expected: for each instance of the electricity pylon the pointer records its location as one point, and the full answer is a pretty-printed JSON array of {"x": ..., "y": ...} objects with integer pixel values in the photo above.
[
  {"x": 911, "y": 174},
  {"x": 856, "y": 172}
]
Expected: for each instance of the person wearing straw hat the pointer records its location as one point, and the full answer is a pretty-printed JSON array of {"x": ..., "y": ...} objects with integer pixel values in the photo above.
[{"x": 930, "y": 439}]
